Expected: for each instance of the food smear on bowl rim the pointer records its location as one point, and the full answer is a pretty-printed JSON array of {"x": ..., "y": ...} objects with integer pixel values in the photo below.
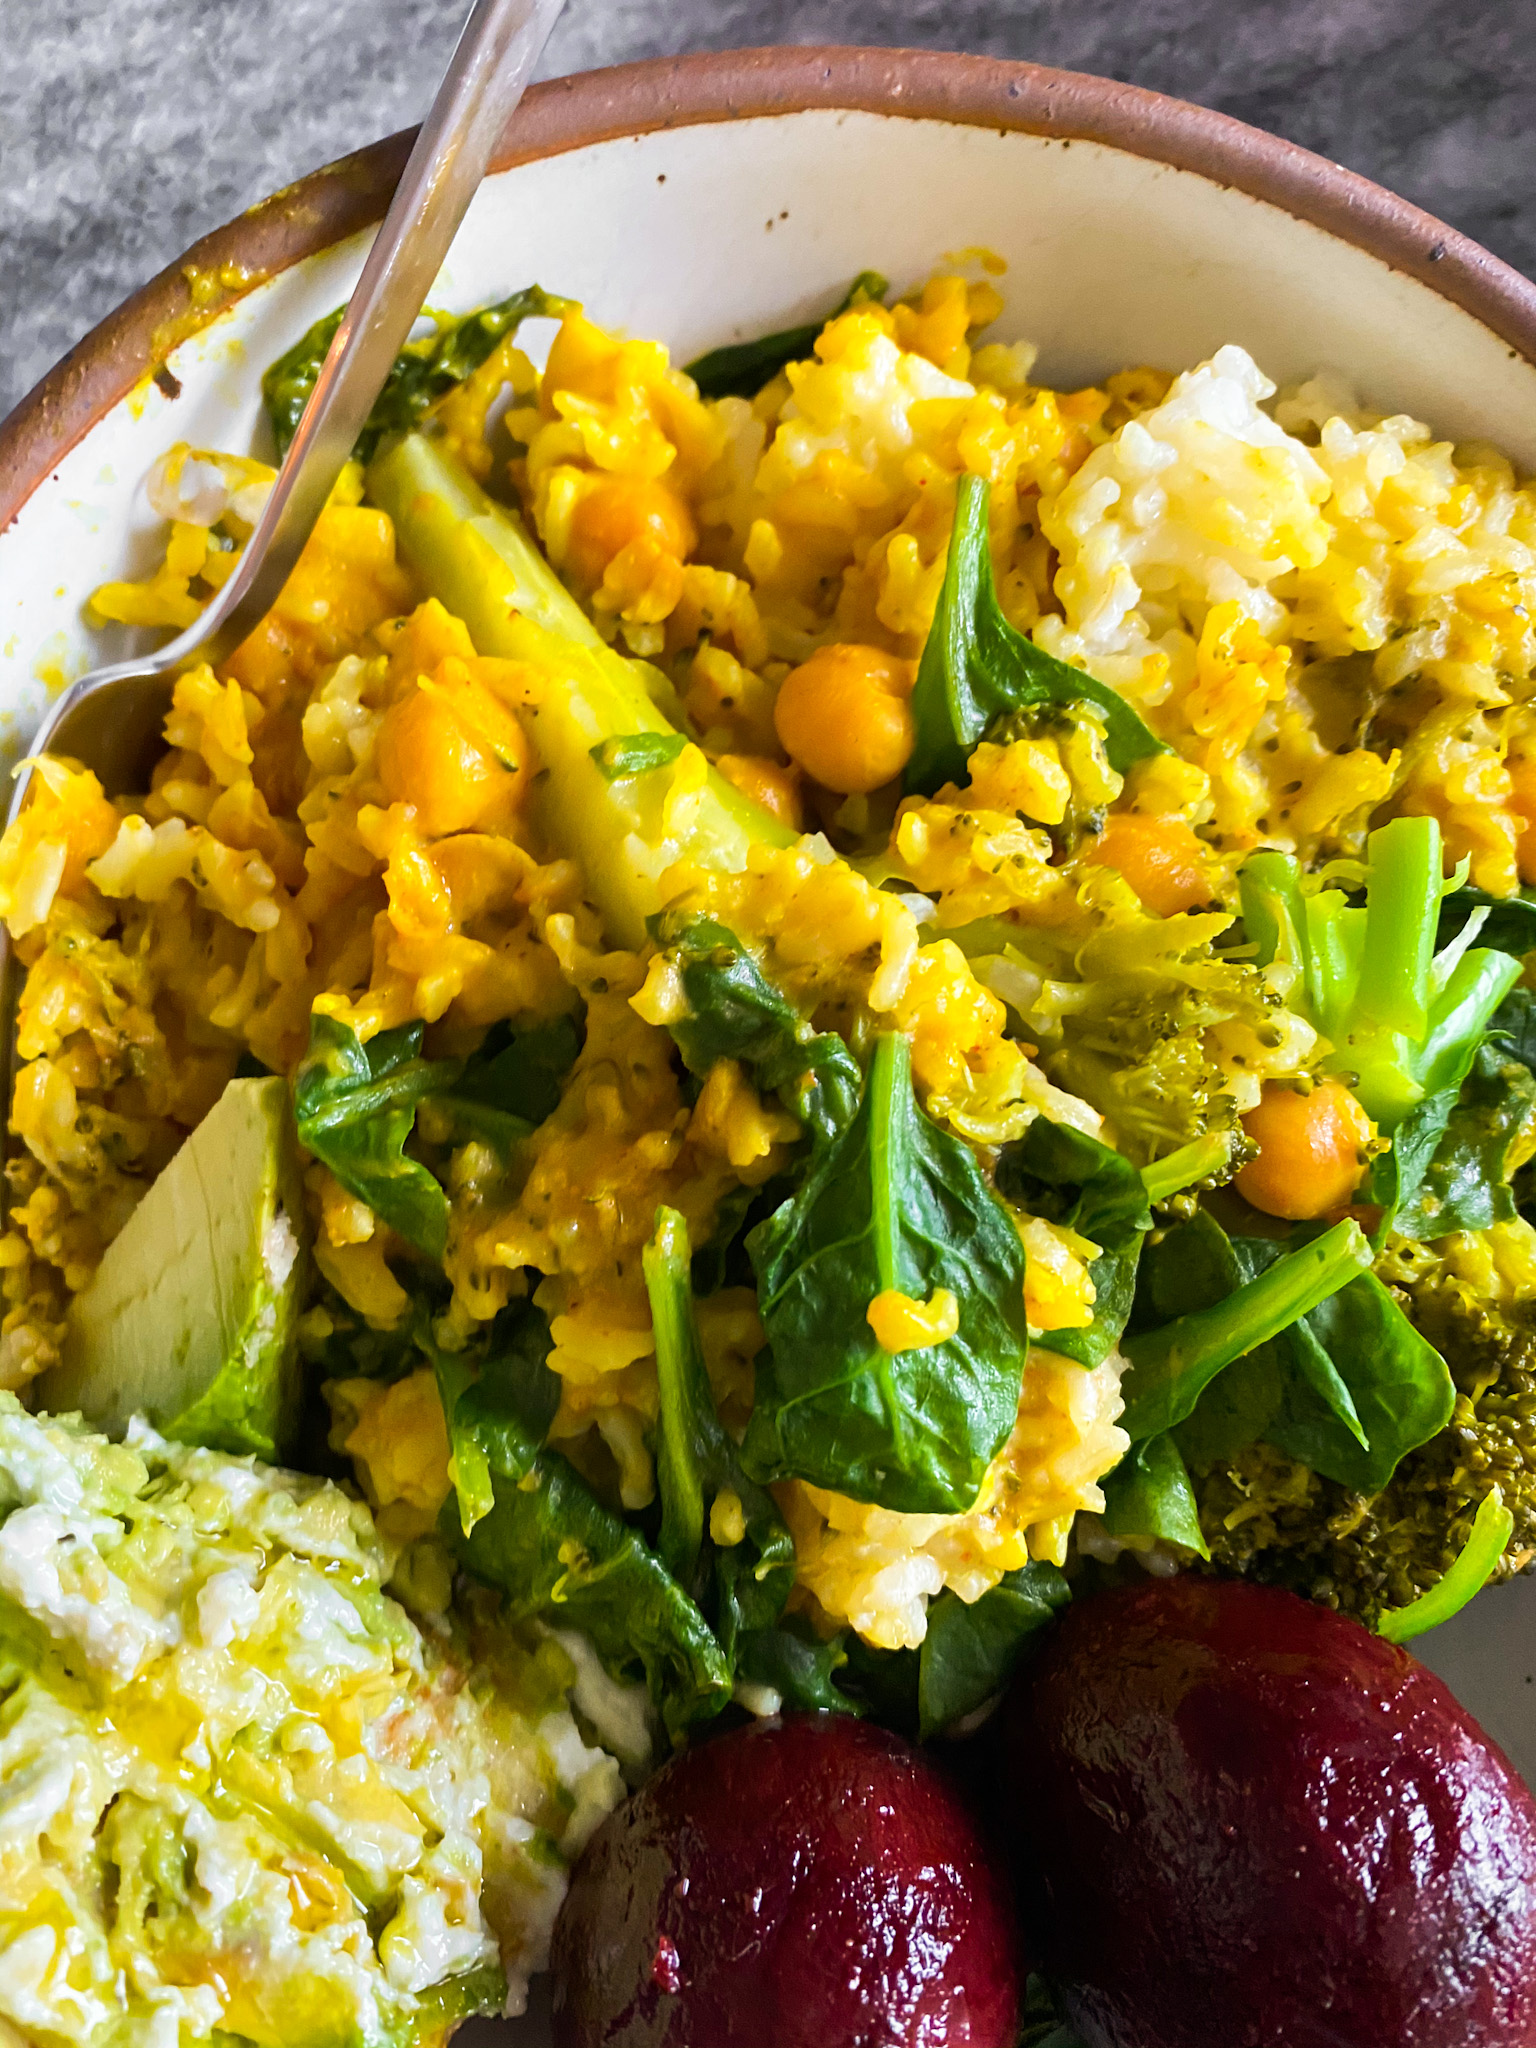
[{"x": 896, "y": 991}]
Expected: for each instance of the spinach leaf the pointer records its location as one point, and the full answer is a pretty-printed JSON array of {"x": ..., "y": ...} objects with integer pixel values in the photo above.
[
  {"x": 1349, "y": 1389},
  {"x": 892, "y": 1202},
  {"x": 1041, "y": 2023},
  {"x": 742, "y": 368},
  {"x": 1064, "y": 1175},
  {"x": 971, "y": 1651},
  {"x": 722, "y": 1536},
  {"x": 512, "y": 1083},
  {"x": 555, "y": 1552},
  {"x": 1149, "y": 1494},
  {"x": 423, "y": 372},
  {"x": 1191, "y": 1265},
  {"x": 735, "y": 1012},
  {"x": 355, "y": 1105},
  {"x": 976, "y": 667},
  {"x": 1397, "y": 1175},
  {"x": 339, "y": 1344},
  {"x": 636, "y": 753},
  {"x": 523, "y": 1519},
  {"x": 1465, "y": 1184},
  {"x": 799, "y": 1667},
  {"x": 1171, "y": 1366},
  {"x": 722, "y": 1261},
  {"x": 1513, "y": 1024},
  {"x": 1510, "y": 925},
  {"x": 1400, "y": 1387},
  {"x": 506, "y": 1376},
  {"x": 885, "y": 1684}
]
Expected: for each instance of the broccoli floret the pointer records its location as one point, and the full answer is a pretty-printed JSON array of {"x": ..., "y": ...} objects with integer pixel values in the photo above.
[
  {"x": 1149, "y": 1070},
  {"x": 1270, "y": 1518}
]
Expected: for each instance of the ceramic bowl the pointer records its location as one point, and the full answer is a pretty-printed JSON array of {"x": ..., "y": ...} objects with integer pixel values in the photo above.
[{"x": 712, "y": 198}]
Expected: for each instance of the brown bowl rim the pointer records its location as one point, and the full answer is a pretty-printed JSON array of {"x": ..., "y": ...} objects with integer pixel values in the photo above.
[{"x": 635, "y": 99}]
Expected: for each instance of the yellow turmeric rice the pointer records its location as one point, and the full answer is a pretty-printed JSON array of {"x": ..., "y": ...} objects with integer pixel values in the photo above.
[{"x": 1328, "y": 617}]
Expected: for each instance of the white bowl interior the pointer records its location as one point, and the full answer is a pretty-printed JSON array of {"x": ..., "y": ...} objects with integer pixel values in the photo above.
[{"x": 707, "y": 234}]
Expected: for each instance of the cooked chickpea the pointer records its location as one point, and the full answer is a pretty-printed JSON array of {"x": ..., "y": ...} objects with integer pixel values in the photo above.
[
  {"x": 620, "y": 510},
  {"x": 455, "y": 762},
  {"x": 768, "y": 783},
  {"x": 844, "y": 716},
  {"x": 1311, "y": 1151},
  {"x": 1161, "y": 857}
]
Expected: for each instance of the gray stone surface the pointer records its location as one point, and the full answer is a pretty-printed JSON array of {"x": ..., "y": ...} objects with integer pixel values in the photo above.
[{"x": 129, "y": 127}]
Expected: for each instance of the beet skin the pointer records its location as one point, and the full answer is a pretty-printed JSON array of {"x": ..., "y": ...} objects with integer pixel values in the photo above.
[
  {"x": 806, "y": 1883},
  {"x": 1245, "y": 1820}
]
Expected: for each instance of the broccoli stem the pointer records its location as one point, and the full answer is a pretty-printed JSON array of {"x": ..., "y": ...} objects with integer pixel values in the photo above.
[
  {"x": 1274, "y": 914},
  {"x": 1172, "y": 1366},
  {"x": 1333, "y": 939},
  {"x": 1192, "y": 1163},
  {"x": 1491, "y": 1530},
  {"x": 1368, "y": 976},
  {"x": 476, "y": 558},
  {"x": 1402, "y": 910},
  {"x": 1460, "y": 1014}
]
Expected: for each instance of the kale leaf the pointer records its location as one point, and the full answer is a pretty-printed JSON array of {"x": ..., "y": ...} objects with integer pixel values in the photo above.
[
  {"x": 891, "y": 1202},
  {"x": 1062, "y": 1174},
  {"x": 742, "y": 368},
  {"x": 976, "y": 667},
  {"x": 422, "y": 373},
  {"x": 740, "y": 1576},
  {"x": 735, "y": 1012},
  {"x": 355, "y": 1106}
]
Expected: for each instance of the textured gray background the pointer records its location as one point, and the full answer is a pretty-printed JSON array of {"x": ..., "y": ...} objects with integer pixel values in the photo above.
[{"x": 129, "y": 127}]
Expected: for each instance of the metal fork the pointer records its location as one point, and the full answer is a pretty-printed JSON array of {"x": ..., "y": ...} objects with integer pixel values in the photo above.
[{"x": 109, "y": 718}]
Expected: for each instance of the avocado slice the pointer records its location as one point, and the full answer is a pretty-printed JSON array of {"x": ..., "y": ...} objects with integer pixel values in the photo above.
[{"x": 191, "y": 1317}]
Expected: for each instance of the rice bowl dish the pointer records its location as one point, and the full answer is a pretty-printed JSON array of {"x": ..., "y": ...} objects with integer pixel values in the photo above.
[{"x": 865, "y": 989}]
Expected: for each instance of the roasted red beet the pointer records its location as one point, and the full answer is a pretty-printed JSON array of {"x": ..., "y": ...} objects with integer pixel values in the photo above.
[
  {"x": 1257, "y": 1825},
  {"x": 809, "y": 1883}
]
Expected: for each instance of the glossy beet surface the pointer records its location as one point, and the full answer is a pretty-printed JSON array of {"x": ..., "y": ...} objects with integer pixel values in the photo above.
[
  {"x": 1256, "y": 1825},
  {"x": 808, "y": 1883}
]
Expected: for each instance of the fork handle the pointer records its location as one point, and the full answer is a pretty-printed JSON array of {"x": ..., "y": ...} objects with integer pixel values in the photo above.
[{"x": 492, "y": 63}]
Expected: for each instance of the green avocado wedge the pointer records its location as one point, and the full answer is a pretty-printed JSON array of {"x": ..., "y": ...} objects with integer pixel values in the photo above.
[{"x": 191, "y": 1317}]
